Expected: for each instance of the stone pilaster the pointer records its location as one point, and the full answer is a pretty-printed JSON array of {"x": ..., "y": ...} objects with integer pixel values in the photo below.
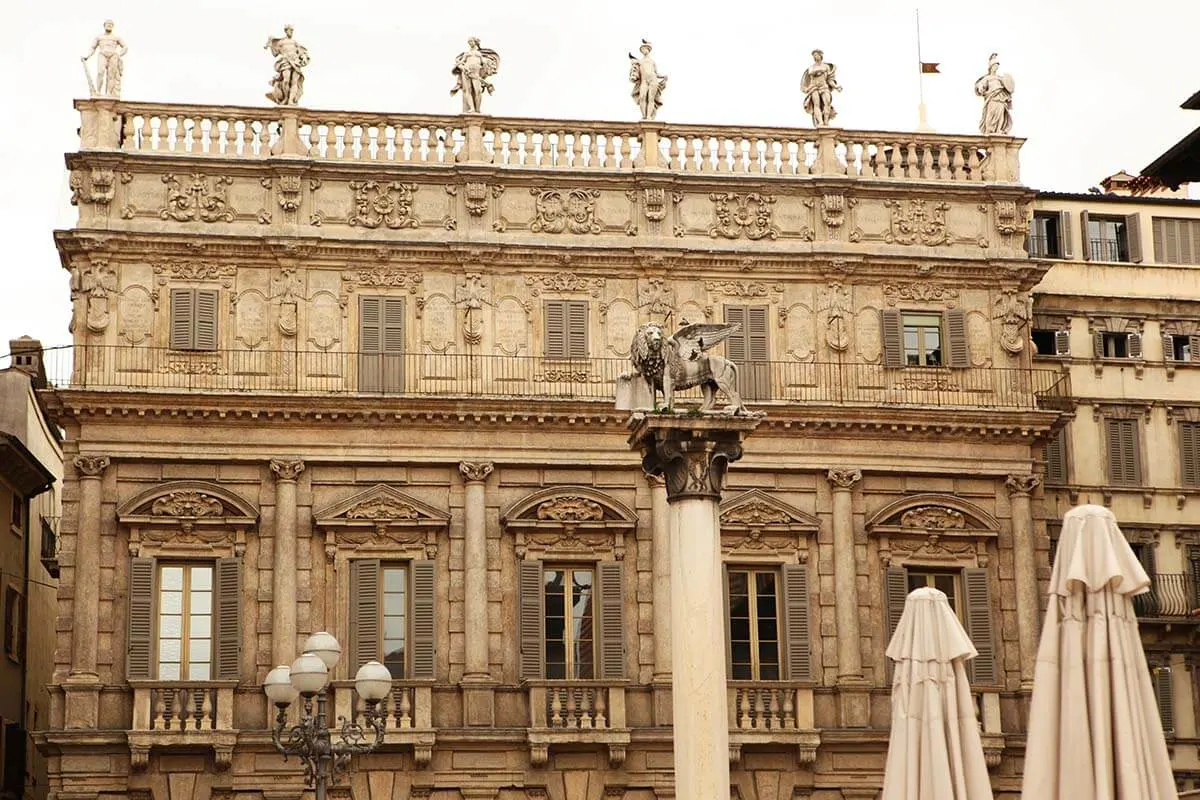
[
  {"x": 1020, "y": 486},
  {"x": 478, "y": 706},
  {"x": 692, "y": 454},
  {"x": 83, "y": 684},
  {"x": 660, "y": 556},
  {"x": 854, "y": 701},
  {"x": 283, "y": 583}
]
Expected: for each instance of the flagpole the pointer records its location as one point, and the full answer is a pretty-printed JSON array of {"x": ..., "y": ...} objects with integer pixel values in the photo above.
[{"x": 922, "y": 122}]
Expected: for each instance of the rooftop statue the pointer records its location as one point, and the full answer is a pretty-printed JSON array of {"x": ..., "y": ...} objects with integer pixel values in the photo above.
[
  {"x": 110, "y": 63},
  {"x": 818, "y": 83},
  {"x": 291, "y": 58},
  {"x": 648, "y": 85},
  {"x": 681, "y": 361},
  {"x": 996, "y": 91},
  {"x": 472, "y": 69}
]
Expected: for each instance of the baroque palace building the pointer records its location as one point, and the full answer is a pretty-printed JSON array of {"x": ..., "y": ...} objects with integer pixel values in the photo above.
[{"x": 355, "y": 373}]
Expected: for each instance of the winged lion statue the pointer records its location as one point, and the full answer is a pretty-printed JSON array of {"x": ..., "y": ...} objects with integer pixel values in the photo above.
[{"x": 681, "y": 361}]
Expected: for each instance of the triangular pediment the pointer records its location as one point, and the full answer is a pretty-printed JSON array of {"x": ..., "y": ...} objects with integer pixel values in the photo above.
[
  {"x": 381, "y": 504},
  {"x": 202, "y": 501},
  {"x": 758, "y": 509}
]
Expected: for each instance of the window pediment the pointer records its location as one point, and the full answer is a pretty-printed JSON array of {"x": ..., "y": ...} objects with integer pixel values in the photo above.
[
  {"x": 188, "y": 504},
  {"x": 379, "y": 522},
  {"x": 757, "y": 526},
  {"x": 933, "y": 514},
  {"x": 569, "y": 522}
]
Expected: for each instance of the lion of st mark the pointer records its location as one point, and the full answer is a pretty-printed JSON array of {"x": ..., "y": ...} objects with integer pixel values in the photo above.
[{"x": 670, "y": 363}]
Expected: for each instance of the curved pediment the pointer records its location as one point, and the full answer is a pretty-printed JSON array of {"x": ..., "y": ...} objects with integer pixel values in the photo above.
[
  {"x": 574, "y": 506},
  {"x": 758, "y": 509},
  {"x": 195, "y": 501},
  {"x": 381, "y": 505},
  {"x": 933, "y": 513}
]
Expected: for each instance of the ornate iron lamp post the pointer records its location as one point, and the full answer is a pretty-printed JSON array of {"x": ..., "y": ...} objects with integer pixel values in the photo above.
[{"x": 311, "y": 739}]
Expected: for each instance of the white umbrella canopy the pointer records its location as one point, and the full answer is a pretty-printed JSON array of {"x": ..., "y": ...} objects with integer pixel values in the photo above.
[
  {"x": 1094, "y": 729},
  {"x": 934, "y": 752}
]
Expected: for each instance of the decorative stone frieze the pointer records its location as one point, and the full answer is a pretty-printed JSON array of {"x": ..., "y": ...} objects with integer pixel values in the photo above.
[
  {"x": 917, "y": 221},
  {"x": 920, "y": 292},
  {"x": 197, "y": 198},
  {"x": 564, "y": 283},
  {"x": 749, "y": 215},
  {"x": 565, "y": 210},
  {"x": 388, "y": 204}
]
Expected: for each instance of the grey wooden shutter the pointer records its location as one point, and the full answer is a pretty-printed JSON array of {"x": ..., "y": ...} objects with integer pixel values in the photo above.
[
  {"x": 139, "y": 657},
  {"x": 1062, "y": 343},
  {"x": 577, "y": 329},
  {"x": 1130, "y": 452},
  {"x": 959, "y": 354},
  {"x": 424, "y": 620},
  {"x": 892, "y": 337},
  {"x": 1168, "y": 346},
  {"x": 1194, "y": 340},
  {"x": 982, "y": 668},
  {"x": 204, "y": 336},
  {"x": 797, "y": 623},
  {"x": 610, "y": 575},
  {"x": 1158, "y": 231},
  {"x": 392, "y": 335},
  {"x": 895, "y": 591},
  {"x": 1056, "y": 458},
  {"x": 1064, "y": 234},
  {"x": 1098, "y": 344},
  {"x": 364, "y": 612},
  {"x": 755, "y": 375},
  {"x": 183, "y": 306},
  {"x": 228, "y": 617},
  {"x": 1085, "y": 236},
  {"x": 370, "y": 344},
  {"x": 1164, "y": 695},
  {"x": 736, "y": 346},
  {"x": 1133, "y": 237},
  {"x": 1134, "y": 344},
  {"x": 555, "y": 322},
  {"x": 531, "y": 626},
  {"x": 1189, "y": 453}
]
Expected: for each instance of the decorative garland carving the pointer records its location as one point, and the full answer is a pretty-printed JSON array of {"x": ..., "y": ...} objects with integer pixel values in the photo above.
[
  {"x": 383, "y": 508},
  {"x": 913, "y": 221},
  {"x": 933, "y": 518},
  {"x": 189, "y": 271},
  {"x": 198, "y": 199},
  {"x": 920, "y": 292},
  {"x": 187, "y": 504},
  {"x": 558, "y": 210},
  {"x": 755, "y": 512},
  {"x": 378, "y": 277},
  {"x": 389, "y": 204},
  {"x": 570, "y": 508},
  {"x": 750, "y": 289},
  {"x": 751, "y": 216},
  {"x": 564, "y": 282}
]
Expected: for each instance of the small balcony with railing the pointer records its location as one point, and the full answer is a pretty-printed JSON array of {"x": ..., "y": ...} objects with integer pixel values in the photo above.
[
  {"x": 1172, "y": 600},
  {"x": 103, "y": 368},
  {"x": 182, "y": 715},
  {"x": 772, "y": 713},
  {"x": 408, "y": 710},
  {"x": 577, "y": 713}
]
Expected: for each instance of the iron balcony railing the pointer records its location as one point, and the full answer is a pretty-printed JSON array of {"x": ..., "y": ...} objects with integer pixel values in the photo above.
[
  {"x": 150, "y": 369},
  {"x": 1109, "y": 250},
  {"x": 1042, "y": 246},
  {"x": 1171, "y": 595}
]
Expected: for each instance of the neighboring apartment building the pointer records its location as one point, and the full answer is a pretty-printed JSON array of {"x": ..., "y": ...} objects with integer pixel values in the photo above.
[
  {"x": 30, "y": 506},
  {"x": 350, "y": 372},
  {"x": 1119, "y": 311}
]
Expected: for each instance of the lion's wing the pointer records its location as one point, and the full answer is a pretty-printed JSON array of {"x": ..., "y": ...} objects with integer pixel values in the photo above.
[{"x": 698, "y": 337}]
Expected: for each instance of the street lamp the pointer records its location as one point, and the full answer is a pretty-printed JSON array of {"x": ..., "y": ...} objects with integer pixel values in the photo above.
[{"x": 311, "y": 739}]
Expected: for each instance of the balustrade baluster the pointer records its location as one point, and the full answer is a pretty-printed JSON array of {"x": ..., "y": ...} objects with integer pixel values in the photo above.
[
  {"x": 927, "y": 162},
  {"x": 760, "y": 708},
  {"x": 404, "y": 707},
  {"x": 556, "y": 719},
  {"x": 158, "y": 715},
  {"x": 576, "y": 151},
  {"x": 957, "y": 163},
  {"x": 973, "y": 164},
  {"x": 943, "y": 162},
  {"x": 601, "y": 721},
  {"x": 587, "y": 698},
  {"x": 204, "y": 715},
  {"x": 626, "y": 151},
  {"x": 743, "y": 707},
  {"x": 789, "y": 709},
  {"x": 572, "y": 713},
  {"x": 537, "y": 144}
]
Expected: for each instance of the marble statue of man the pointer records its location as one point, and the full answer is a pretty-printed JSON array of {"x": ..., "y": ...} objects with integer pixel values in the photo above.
[
  {"x": 472, "y": 68},
  {"x": 818, "y": 83},
  {"x": 648, "y": 85},
  {"x": 110, "y": 62},
  {"x": 291, "y": 58},
  {"x": 996, "y": 91}
]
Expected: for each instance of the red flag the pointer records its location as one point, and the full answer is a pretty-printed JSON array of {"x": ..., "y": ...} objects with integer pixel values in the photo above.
[{"x": 929, "y": 68}]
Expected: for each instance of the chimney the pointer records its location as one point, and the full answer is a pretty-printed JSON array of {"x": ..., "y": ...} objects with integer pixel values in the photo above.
[{"x": 26, "y": 355}]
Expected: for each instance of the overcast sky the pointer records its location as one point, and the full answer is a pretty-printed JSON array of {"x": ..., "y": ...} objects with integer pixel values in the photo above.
[{"x": 1098, "y": 82}]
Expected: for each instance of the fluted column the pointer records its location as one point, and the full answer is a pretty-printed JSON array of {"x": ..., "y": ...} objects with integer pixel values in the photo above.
[
  {"x": 85, "y": 609},
  {"x": 283, "y": 583},
  {"x": 475, "y": 570},
  {"x": 1020, "y": 486},
  {"x": 660, "y": 582}
]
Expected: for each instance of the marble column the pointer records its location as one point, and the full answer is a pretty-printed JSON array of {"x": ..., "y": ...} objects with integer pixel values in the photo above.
[
  {"x": 660, "y": 582},
  {"x": 853, "y": 695},
  {"x": 283, "y": 582},
  {"x": 1020, "y": 486},
  {"x": 82, "y": 686},
  {"x": 478, "y": 708},
  {"x": 692, "y": 454}
]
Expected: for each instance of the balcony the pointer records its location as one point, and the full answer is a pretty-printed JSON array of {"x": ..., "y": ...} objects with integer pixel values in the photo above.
[
  {"x": 577, "y": 712},
  {"x": 1171, "y": 599},
  {"x": 249, "y": 133},
  {"x": 182, "y": 714},
  {"x": 409, "y": 710},
  {"x": 453, "y": 376},
  {"x": 772, "y": 713}
]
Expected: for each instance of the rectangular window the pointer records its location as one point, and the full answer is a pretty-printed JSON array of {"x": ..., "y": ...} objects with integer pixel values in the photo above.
[
  {"x": 1181, "y": 347},
  {"x": 394, "y": 617},
  {"x": 1118, "y": 344},
  {"x": 1124, "y": 452},
  {"x": 569, "y": 629},
  {"x": 969, "y": 593},
  {"x": 566, "y": 329},
  {"x": 1108, "y": 239},
  {"x": 1164, "y": 696},
  {"x": 750, "y": 349},
  {"x": 185, "y": 622},
  {"x": 1046, "y": 235},
  {"x": 754, "y": 624},
  {"x": 1189, "y": 453},
  {"x": 1176, "y": 241},
  {"x": 946, "y": 582},
  {"x": 381, "y": 344},
  {"x": 1055, "y": 456},
  {"x": 1048, "y": 342},
  {"x": 193, "y": 319},
  {"x": 922, "y": 340}
]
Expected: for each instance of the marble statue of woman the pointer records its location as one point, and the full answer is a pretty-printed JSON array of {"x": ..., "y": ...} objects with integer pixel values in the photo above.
[
  {"x": 818, "y": 83},
  {"x": 996, "y": 91},
  {"x": 648, "y": 84}
]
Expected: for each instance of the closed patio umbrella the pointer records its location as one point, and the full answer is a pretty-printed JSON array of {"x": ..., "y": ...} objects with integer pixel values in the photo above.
[
  {"x": 934, "y": 752},
  {"x": 1094, "y": 729}
]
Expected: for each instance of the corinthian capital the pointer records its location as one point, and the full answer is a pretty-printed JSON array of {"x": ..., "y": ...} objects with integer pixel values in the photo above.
[
  {"x": 287, "y": 469},
  {"x": 475, "y": 471},
  {"x": 91, "y": 466},
  {"x": 1021, "y": 484},
  {"x": 843, "y": 479}
]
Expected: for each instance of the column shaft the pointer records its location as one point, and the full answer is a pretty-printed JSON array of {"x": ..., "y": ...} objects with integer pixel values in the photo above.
[
  {"x": 84, "y": 615},
  {"x": 283, "y": 579},
  {"x": 660, "y": 556},
  {"x": 845, "y": 575},
  {"x": 475, "y": 582},
  {"x": 1025, "y": 572}
]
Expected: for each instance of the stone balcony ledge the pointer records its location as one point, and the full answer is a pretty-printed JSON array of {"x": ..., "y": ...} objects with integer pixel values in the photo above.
[
  {"x": 444, "y": 141},
  {"x": 577, "y": 712},
  {"x": 182, "y": 714}
]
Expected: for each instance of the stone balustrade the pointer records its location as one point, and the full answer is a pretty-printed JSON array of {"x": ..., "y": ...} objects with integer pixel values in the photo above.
[
  {"x": 408, "y": 711},
  {"x": 182, "y": 714},
  {"x": 577, "y": 712},
  {"x": 520, "y": 143},
  {"x": 772, "y": 713}
]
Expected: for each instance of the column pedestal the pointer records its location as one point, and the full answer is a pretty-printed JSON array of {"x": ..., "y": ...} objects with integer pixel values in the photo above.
[
  {"x": 478, "y": 688},
  {"x": 692, "y": 454}
]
